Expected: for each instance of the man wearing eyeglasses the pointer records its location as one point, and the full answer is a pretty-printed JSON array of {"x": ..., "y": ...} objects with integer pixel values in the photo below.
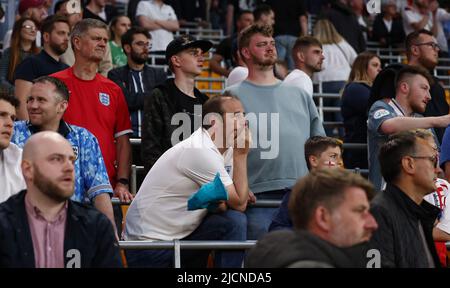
[
  {"x": 171, "y": 113},
  {"x": 137, "y": 79},
  {"x": 389, "y": 116},
  {"x": 404, "y": 238}
]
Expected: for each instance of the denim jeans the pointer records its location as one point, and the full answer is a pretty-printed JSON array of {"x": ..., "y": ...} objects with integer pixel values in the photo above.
[
  {"x": 229, "y": 225},
  {"x": 259, "y": 219},
  {"x": 284, "y": 45}
]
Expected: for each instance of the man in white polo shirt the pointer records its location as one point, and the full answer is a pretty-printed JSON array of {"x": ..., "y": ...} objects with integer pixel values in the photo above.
[
  {"x": 160, "y": 209},
  {"x": 11, "y": 179}
]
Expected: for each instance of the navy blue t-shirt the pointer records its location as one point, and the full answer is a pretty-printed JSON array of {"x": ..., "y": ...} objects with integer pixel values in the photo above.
[{"x": 38, "y": 65}]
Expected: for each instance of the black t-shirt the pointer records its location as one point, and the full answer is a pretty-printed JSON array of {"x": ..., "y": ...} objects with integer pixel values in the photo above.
[
  {"x": 287, "y": 15},
  {"x": 38, "y": 65},
  {"x": 186, "y": 104}
]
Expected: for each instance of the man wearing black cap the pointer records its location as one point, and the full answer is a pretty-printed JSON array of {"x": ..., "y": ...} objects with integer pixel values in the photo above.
[{"x": 170, "y": 112}]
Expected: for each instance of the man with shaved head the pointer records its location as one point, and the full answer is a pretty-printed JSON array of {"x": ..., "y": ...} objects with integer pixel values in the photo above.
[{"x": 40, "y": 227}]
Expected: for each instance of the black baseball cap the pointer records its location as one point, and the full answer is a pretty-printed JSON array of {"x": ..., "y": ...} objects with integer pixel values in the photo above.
[{"x": 185, "y": 42}]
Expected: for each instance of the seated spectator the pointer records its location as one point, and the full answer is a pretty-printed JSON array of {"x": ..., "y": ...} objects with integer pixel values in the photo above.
[
  {"x": 119, "y": 25},
  {"x": 160, "y": 209},
  {"x": 308, "y": 58},
  {"x": 46, "y": 105},
  {"x": 137, "y": 79},
  {"x": 33, "y": 9},
  {"x": 320, "y": 153},
  {"x": 332, "y": 225},
  {"x": 224, "y": 52},
  {"x": 176, "y": 96},
  {"x": 160, "y": 19},
  {"x": 23, "y": 44},
  {"x": 389, "y": 116},
  {"x": 336, "y": 67},
  {"x": 10, "y": 154},
  {"x": 43, "y": 216},
  {"x": 404, "y": 239},
  {"x": 388, "y": 26},
  {"x": 55, "y": 38},
  {"x": 98, "y": 9},
  {"x": 354, "y": 108},
  {"x": 236, "y": 8}
]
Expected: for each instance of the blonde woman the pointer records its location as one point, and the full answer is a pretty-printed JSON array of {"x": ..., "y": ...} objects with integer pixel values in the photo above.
[
  {"x": 354, "y": 106},
  {"x": 339, "y": 57}
]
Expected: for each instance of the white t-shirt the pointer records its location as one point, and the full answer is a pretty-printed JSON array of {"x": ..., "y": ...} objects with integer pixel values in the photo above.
[
  {"x": 300, "y": 79},
  {"x": 159, "y": 211},
  {"x": 161, "y": 37},
  {"x": 413, "y": 16},
  {"x": 337, "y": 63},
  {"x": 11, "y": 179},
  {"x": 237, "y": 75},
  {"x": 439, "y": 199}
]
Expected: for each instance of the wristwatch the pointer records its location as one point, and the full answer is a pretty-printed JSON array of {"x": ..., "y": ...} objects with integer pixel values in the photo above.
[{"x": 123, "y": 181}]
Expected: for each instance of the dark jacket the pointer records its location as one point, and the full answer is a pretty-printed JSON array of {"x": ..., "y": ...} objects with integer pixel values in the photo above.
[
  {"x": 110, "y": 12},
  {"x": 87, "y": 230},
  {"x": 151, "y": 78},
  {"x": 156, "y": 125},
  {"x": 384, "y": 87},
  {"x": 393, "y": 37},
  {"x": 301, "y": 249},
  {"x": 397, "y": 237}
]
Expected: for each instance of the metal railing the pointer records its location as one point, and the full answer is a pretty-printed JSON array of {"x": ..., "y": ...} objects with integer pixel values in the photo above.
[{"x": 177, "y": 245}]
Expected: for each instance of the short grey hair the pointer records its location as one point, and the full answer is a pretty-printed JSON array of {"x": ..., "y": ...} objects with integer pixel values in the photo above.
[{"x": 84, "y": 25}]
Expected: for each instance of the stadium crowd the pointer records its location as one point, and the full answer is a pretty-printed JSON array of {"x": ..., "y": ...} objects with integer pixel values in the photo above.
[{"x": 337, "y": 114}]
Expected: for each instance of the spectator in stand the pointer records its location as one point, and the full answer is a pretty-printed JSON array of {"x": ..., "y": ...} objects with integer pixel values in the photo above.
[
  {"x": 272, "y": 172},
  {"x": 55, "y": 38},
  {"x": 264, "y": 15},
  {"x": 238, "y": 73},
  {"x": 23, "y": 44},
  {"x": 136, "y": 78},
  {"x": 426, "y": 14},
  {"x": 162, "y": 209},
  {"x": 236, "y": 8},
  {"x": 308, "y": 58},
  {"x": 33, "y": 9},
  {"x": 97, "y": 103},
  {"x": 291, "y": 22},
  {"x": 176, "y": 96},
  {"x": 119, "y": 25},
  {"x": 333, "y": 224},
  {"x": 227, "y": 46},
  {"x": 389, "y": 116},
  {"x": 217, "y": 14},
  {"x": 191, "y": 11},
  {"x": 355, "y": 98},
  {"x": 320, "y": 153},
  {"x": 131, "y": 11},
  {"x": 160, "y": 19},
  {"x": 404, "y": 238},
  {"x": 388, "y": 26},
  {"x": 69, "y": 58},
  {"x": 359, "y": 9},
  {"x": 346, "y": 23},
  {"x": 339, "y": 57},
  {"x": 40, "y": 227},
  {"x": 98, "y": 9},
  {"x": 10, "y": 154}
]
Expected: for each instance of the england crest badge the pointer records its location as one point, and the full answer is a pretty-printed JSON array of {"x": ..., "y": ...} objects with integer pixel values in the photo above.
[{"x": 104, "y": 99}]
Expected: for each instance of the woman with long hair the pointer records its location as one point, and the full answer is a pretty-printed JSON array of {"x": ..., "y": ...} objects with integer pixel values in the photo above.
[
  {"x": 23, "y": 44},
  {"x": 339, "y": 57},
  {"x": 354, "y": 106},
  {"x": 119, "y": 25}
]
